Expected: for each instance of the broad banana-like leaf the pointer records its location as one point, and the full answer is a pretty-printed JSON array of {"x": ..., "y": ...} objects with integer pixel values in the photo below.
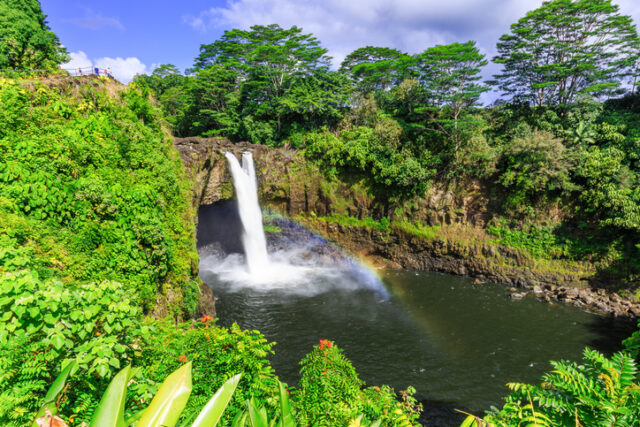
[
  {"x": 167, "y": 405},
  {"x": 257, "y": 415},
  {"x": 55, "y": 390},
  {"x": 215, "y": 407},
  {"x": 133, "y": 418},
  {"x": 240, "y": 420},
  {"x": 376, "y": 423},
  {"x": 357, "y": 422},
  {"x": 286, "y": 417},
  {"x": 110, "y": 411}
]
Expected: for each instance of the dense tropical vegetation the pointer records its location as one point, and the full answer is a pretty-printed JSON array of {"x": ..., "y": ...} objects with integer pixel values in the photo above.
[{"x": 97, "y": 253}]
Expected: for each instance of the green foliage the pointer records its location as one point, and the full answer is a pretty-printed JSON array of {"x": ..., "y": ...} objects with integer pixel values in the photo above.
[
  {"x": 449, "y": 75},
  {"x": 417, "y": 229},
  {"x": 566, "y": 48},
  {"x": 91, "y": 186},
  {"x": 535, "y": 167},
  {"x": 94, "y": 324},
  {"x": 330, "y": 393},
  {"x": 217, "y": 354},
  {"x": 95, "y": 229},
  {"x": 271, "y": 62},
  {"x": 26, "y": 41},
  {"x": 602, "y": 392},
  {"x": 541, "y": 242},
  {"x": 632, "y": 344},
  {"x": 375, "y": 69},
  {"x": 374, "y": 154}
]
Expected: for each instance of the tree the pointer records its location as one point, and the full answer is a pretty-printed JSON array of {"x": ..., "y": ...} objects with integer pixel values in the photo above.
[
  {"x": 376, "y": 68},
  {"x": 268, "y": 60},
  {"x": 163, "y": 78},
  {"x": 26, "y": 41},
  {"x": 564, "y": 49},
  {"x": 317, "y": 100},
  {"x": 214, "y": 102},
  {"x": 449, "y": 75}
]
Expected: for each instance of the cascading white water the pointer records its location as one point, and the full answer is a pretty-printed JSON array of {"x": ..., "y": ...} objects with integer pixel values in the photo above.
[
  {"x": 292, "y": 270},
  {"x": 246, "y": 186}
]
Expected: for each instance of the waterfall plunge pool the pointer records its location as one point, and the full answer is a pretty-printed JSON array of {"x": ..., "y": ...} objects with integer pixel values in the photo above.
[{"x": 456, "y": 342}]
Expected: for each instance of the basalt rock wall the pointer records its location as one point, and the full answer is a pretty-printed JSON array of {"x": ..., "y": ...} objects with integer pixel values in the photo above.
[
  {"x": 287, "y": 182},
  {"x": 291, "y": 185}
]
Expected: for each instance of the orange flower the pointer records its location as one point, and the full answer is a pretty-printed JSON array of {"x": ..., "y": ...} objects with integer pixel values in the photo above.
[
  {"x": 325, "y": 343},
  {"x": 206, "y": 318},
  {"x": 182, "y": 358}
]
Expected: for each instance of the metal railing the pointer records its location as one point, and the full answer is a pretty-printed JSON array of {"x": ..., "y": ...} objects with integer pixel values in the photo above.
[{"x": 59, "y": 72}]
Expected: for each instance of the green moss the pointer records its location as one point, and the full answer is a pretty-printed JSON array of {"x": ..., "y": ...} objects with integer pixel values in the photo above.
[
  {"x": 272, "y": 228},
  {"x": 417, "y": 229}
]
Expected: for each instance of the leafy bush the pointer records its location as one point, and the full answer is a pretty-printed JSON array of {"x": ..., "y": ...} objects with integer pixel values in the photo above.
[
  {"x": 217, "y": 354},
  {"x": 94, "y": 324},
  {"x": 372, "y": 153},
  {"x": 92, "y": 177},
  {"x": 534, "y": 168},
  {"x": 600, "y": 392},
  {"x": 330, "y": 393}
]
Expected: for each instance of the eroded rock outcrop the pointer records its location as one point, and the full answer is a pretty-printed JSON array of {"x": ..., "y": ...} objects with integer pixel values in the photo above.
[
  {"x": 291, "y": 185},
  {"x": 287, "y": 182}
]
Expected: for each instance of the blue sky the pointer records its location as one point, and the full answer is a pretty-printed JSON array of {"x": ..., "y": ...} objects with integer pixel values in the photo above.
[{"x": 137, "y": 35}]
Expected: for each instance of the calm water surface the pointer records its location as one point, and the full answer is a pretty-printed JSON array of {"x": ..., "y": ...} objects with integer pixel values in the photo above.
[{"x": 457, "y": 343}]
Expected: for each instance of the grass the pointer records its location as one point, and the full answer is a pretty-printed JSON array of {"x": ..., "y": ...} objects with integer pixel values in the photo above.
[{"x": 367, "y": 222}]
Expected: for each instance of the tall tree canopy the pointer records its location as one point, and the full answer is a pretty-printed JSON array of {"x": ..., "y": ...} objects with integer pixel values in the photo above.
[
  {"x": 566, "y": 48},
  {"x": 376, "y": 68},
  {"x": 449, "y": 76},
  {"x": 269, "y": 61},
  {"x": 26, "y": 41}
]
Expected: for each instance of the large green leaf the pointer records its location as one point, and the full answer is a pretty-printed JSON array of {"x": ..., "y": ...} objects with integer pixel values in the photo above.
[
  {"x": 55, "y": 390},
  {"x": 167, "y": 405},
  {"x": 213, "y": 410},
  {"x": 257, "y": 414},
  {"x": 286, "y": 417},
  {"x": 110, "y": 411}
]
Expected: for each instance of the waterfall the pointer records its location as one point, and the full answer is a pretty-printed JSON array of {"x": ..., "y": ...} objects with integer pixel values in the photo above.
[{"x": 246, "y": 186}]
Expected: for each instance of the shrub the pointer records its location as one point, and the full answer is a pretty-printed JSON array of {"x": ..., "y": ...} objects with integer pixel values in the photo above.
[
  {"x": 330, "y": 393},
  {"x": 217, "y": 354},
  {"x": 535, "y": 167},
  {"x": 600, "y": 392},
  {"x": 45, "y": 323}
]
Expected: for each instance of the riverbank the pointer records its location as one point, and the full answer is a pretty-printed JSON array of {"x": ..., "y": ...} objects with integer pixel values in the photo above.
[
  {"x": 441, "y": 232},
  {"x": 569, "y": 282}
]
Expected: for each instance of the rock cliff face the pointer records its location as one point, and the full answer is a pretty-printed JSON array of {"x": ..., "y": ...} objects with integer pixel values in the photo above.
[
  {"x": 287, "y": 182},
  {"x": 290, "y": 185}
]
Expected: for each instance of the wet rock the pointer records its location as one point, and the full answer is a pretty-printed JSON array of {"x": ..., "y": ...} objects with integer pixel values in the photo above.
[{"x": 517, "y": 295}]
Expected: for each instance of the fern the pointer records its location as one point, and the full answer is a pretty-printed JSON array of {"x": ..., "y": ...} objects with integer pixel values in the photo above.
[{"x": 601, "y": 392}]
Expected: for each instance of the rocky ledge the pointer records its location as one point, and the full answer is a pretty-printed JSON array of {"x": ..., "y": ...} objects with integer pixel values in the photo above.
[
  {"x": 292, "y": 186},
  {"x": 597, "y": 300},
  {"x": 564, "y": 282}
]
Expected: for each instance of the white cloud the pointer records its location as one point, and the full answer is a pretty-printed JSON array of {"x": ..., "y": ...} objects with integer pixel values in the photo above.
[
  {"x": 123, "y": 69},
  {"x": 409, "y": 25},
  {"x": 95, "y": 21},
  {"x": 343, "y": 26}
]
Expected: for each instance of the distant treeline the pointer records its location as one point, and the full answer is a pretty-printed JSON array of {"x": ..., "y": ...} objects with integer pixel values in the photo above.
[{"x": 401, "y": 121}]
